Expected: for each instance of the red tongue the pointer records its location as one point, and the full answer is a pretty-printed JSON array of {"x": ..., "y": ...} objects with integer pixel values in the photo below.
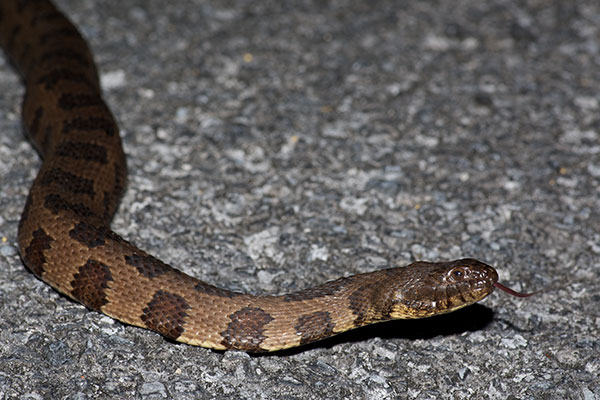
[{"x": 513, "y": 292}]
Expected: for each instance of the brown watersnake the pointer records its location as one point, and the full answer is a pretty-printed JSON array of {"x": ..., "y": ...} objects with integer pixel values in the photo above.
[{"x": 64, "y": 236}]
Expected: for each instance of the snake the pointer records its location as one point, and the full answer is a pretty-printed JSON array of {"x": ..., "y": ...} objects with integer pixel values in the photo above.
[{"x": 64, "y": 236}]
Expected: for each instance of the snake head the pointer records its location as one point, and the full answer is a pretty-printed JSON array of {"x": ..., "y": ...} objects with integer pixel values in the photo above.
[{"x": 428, "y": 289}]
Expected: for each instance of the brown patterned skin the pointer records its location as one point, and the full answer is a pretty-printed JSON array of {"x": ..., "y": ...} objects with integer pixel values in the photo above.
[{"x": 65, "y": 239}]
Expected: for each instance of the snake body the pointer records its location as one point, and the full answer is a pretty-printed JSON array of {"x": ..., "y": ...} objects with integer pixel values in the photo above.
[{"x": 64, "y": 236}]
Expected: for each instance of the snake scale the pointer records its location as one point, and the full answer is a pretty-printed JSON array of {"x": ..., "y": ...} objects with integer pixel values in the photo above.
[{"x": 64, "y": 236}]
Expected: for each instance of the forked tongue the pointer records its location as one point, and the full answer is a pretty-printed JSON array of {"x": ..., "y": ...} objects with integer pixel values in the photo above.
[{"x": 513, "y": 292}]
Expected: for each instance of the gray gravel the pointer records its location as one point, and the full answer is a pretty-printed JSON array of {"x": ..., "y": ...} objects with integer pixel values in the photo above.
[{"x": 274, "y": 145}]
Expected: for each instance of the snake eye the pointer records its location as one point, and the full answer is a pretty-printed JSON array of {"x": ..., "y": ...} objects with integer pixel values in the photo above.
[{"x": 457, "y": 274}]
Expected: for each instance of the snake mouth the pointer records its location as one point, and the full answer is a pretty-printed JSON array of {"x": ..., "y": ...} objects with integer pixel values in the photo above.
[{"x": 441, "y": 300}]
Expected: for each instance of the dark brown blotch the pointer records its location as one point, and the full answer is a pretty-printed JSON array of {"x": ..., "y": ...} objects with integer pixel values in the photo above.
[
  {"x": 68, "y": 54},
  {"x": 246, "y": 329},
  {"x": 55, "y": 204},
  {"x": 372, "y": 300},
  {"x": 92, "y": 236},
  {"x": 83, "y": 151},
  {"x": 70, "y": 101},
  {"x": 313, "y": 327},
  {"x": 68, "y": 182},
  {"x": 59, "y": 34},
  {"x": 361, "y": 304},
  {"x": 34, "y": 253},
  {"x": 90, "y": 284},
  {"x": 50, "y": 79},
  {"x": 46, "y": 17},
  {"x": 147, "y": 265},
  {"x": 79, "y": 124},
  {"x": 166, "y": 314}
]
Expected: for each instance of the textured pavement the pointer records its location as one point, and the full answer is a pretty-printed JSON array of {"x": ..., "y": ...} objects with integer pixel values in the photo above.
[{"x": 275, "y": 145}]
